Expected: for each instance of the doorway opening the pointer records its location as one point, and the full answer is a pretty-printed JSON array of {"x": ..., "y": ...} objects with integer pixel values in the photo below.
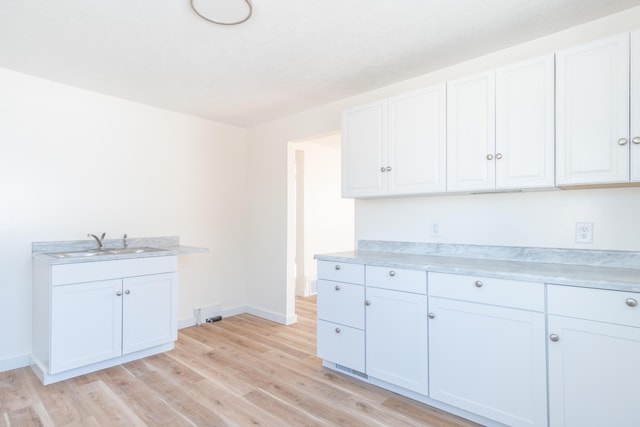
[{"x": 319, "y": 219}]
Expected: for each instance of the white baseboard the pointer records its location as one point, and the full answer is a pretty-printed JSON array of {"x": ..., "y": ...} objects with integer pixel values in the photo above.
[
  {"x": 274, "y": 317},
  {"x": 14, "y": 362}
]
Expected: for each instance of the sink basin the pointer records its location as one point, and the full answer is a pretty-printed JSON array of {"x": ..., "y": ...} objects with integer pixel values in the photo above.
[
  {"x": 96, "y": 252},
  {"x": 134, "y": 250}
]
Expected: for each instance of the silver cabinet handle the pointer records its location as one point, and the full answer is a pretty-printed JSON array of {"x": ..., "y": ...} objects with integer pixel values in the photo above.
[
  {"x": 119, "y": 293},
  {"x": 337, "y": 287},
  {"x": 127, "y": 292},
  {"x": 338, "y": 330},
  {"x": 478, "y": 284},
  {"x": 632, "y": 302},
  {"x": 337, "y": 267},
  {"x": 489, "y": 156},
  {"x": 498, "y": 156},
  {"x": 554, "y": 338},
  {"x": 367, "y": 302},
  {"x": 636, "y": 140},
  {"x": 383, "y": 169},
  {"x": 623, "y": 141},
  {"x": 388, "y": 168},
  {"x": 431, "y": 315},
  {"x": 392, "y": 273}
]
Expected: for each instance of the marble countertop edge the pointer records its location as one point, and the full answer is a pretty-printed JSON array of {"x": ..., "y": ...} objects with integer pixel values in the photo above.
[{"x": 601, "y": 277}]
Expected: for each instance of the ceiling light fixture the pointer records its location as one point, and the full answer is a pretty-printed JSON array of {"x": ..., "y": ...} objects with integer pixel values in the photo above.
[{"x": 245, "y": 19}]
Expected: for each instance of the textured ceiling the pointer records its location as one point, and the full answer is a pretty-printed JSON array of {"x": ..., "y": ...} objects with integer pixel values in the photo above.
[{"x": 290, "y": 56}]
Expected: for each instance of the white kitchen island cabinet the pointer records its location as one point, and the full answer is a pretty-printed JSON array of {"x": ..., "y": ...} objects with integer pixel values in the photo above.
[
  {"x": 487, "y": 347},
  {"x": 396, "y": 146},
  {"x": 396, "y": 327},
  {"x": 92, "y": 315},
  {"x": 592, "y": 107},
  {"x": 594, "y": 349}
]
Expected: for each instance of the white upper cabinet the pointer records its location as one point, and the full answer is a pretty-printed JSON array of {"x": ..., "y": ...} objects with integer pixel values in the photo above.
[
  {"x": 364, "y": 143},
  {"x": 592, "y": 107},
  {"x": 524, "y": 154},
  {"x": 471, "y": 133},
  {"x": 635, "y": 106},
  {"x": 417, "y": 142},
  {"x": 396, "y": 146}
]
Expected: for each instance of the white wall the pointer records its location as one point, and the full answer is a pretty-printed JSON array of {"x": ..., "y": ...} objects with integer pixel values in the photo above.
[
  {"x": 532, "y": 219},
  {"x": 74, "y": 162},
  {"x": 328, "y": 218}
]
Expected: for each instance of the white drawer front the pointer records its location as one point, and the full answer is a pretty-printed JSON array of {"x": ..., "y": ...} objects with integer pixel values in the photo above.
[
  {"x": 105, "y": 270},
  {"x": 594, "y": 304},
  {"x": 341, "y": 272},
  {"x": 397, "y": 279},
  {"x": 341, "y": 303},
  {"x": 502, "y": 292},
  {"x": 341, "y": 344}
]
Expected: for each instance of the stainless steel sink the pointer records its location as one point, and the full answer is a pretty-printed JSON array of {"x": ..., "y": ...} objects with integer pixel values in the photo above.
[
  {"x": 134, "y": 250},
  {"x": 96, "y": 252}
]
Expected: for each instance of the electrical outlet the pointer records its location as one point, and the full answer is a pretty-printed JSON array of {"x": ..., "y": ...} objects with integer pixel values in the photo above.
[
  {"x": 435, "y": 229},
  {"x": 584, "y": 232}
]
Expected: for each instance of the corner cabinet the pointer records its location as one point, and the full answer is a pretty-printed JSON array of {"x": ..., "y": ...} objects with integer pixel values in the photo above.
[
  {"x": 487, "y": 347},
  {"x": 595, "y": 144},
  {"x": 594, "y": 349},
  {"x": 396, "y": 146},
  {"x": 91, "y": 315}
]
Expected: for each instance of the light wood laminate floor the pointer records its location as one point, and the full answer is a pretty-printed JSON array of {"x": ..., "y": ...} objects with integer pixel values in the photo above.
[{"x": 241, "y": 371}]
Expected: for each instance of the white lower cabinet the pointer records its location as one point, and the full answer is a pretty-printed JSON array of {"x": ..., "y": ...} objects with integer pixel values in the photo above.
[
  {"x": 489, "y": 360},
  {"x": 341, "y": 336},
  {"x": 396, "y": 330},
  {"x": 594, "y": 351},
  {"x": 92, "y": 315}
]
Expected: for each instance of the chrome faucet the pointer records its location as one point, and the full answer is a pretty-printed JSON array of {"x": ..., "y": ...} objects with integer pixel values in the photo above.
[
  {"x": 125, "y": 242},
  {"x": 100, "y": 239}
]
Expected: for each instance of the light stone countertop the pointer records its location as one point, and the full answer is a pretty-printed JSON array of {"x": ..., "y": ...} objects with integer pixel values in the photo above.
[
  {"x": 171, "y": 246},
  {"x": 598, "y": 276}
]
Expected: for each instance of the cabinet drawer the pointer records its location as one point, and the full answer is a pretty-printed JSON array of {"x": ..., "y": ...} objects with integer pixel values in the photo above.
[
  {"x": 341, "y": 303},
  {"x": 594, "y": 304},
  {"x": 341, "y": 272},
  {"x": 502, "y": 292},
  {"x": 341, "y": 344},
  {"x": 397, "y": 279}
]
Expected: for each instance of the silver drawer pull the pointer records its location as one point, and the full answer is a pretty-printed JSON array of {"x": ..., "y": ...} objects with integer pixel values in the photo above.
[
  {"x": 636, "y": 140},
  {"x": 338, "y": 330},
  {"x": 119, "y": 293},
  {"x": 337, "y": 267},
  {"x": 337, "y": 287},
  {"x": 431, "y": 315},
  {"x": 554, "y": 338},
  {"x": 623, "y": 141},
  {"x": 367, "y": 302},
  {"x": 127, "y": 292},
  {"x": 478, "y": 284},
  {"x": 632, "y": 302},
  {"x": 392, "y": 273}
]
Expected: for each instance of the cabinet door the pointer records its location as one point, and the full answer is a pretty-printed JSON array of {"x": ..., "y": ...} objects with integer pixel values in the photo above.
[
  {"x": 593, "y": 113},
  {"x": 149, "y": 316},
  {"x": 364, "y": 144},
  {"x": 525, "y": 124},
  {"x": 417, "y": 142},
  {"x": 635, "y": 106},
  {"x": 471, "y": 133},
  {"x": 397, "y": 338},
  {"x": 593, "y": 374},
  {"x": 488, "y": 360},
  {"x": 86, "y": 324}
]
